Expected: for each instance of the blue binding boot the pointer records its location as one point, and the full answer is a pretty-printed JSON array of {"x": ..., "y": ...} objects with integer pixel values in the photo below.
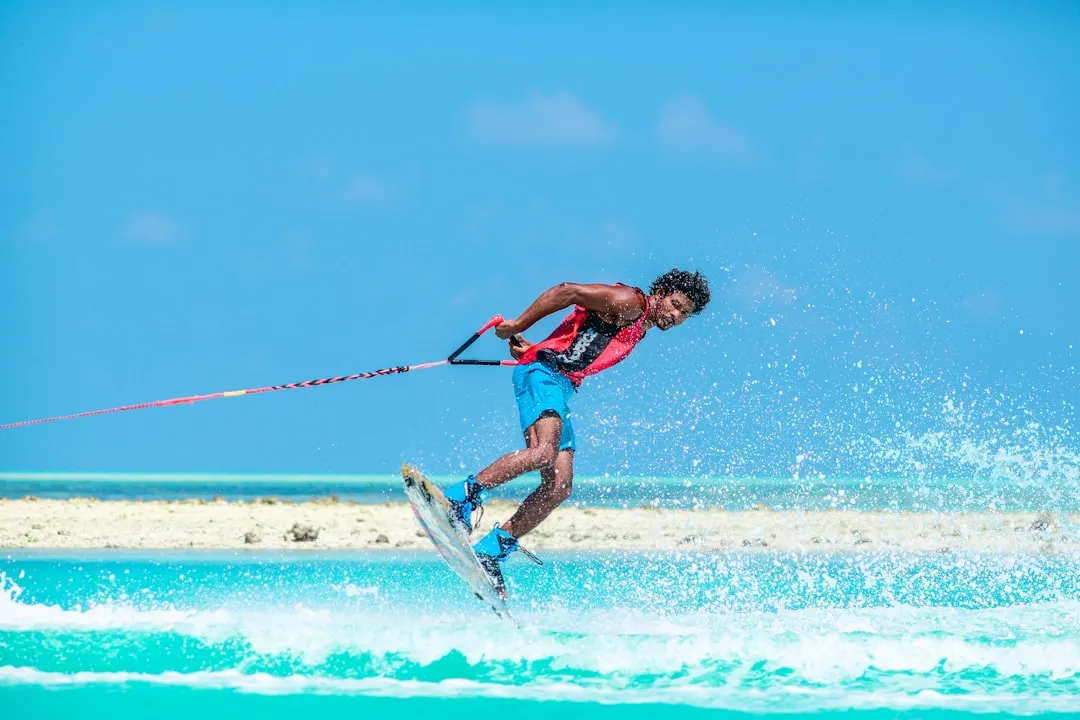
[
  {"x": 465, "y": 497},
  {"x": 493, "y": 550}
]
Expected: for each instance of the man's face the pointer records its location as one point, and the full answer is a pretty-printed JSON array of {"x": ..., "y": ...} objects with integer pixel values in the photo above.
[{"x": 672, "y": 310}]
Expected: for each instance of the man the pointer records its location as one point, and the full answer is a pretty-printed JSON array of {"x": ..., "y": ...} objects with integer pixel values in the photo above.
[{"x": 607, "y": 323}]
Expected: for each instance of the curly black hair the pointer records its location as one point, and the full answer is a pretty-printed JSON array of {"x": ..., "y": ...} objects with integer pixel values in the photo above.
[{"x": 692, "y": 284}]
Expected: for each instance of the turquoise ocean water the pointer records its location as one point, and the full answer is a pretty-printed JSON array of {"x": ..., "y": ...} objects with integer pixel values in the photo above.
[
  {"x": 973, "y": 492},
  {"x": 201, "y": 634}
]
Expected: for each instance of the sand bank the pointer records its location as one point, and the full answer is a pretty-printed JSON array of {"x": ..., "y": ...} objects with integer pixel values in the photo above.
[{"x": 86, "y": 523}]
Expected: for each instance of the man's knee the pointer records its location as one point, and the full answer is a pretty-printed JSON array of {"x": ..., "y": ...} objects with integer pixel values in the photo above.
[
  {"x": 538, "y": 457},
  {"x": 560, "y": 485},
  {"x": 546, "y": 455},
  {"x": 563, "y": 489}
]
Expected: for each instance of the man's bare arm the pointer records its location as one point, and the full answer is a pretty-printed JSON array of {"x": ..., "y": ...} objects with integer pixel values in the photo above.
[{"x": 614, "y": 303}]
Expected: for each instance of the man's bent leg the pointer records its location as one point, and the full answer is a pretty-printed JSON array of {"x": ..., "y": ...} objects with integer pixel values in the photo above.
[
  {"x": 556, "y": 484},
  {"x": 540, "y": 453}
]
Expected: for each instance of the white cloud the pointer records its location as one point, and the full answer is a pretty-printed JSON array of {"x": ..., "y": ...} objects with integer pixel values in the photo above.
[
  {"x": 319, "y": 169},
  {"x": 686, "y": 125},
  {"x": 609, "y": 237},
  {"x": 40, "y": 229},
  {"x": 1053, "y": 212},
  {"x": 754, "y": 286},
  {"x": 618, "y": 236},
  {"x": 1045, "y": 220},
  {"x": 297, "y": 250},
  {"x": 811, "y": 163},
  {"x": 987, "y": 305},
  {"x": 543, "y": 121},
  {"x": 368, "y": 190},
  {"x": 150, "y": 227},
  {"x": 166, "y": 19},
  {"x": 917, "y": 170}
]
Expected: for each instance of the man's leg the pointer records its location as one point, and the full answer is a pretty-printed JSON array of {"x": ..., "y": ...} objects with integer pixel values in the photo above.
[
  {"x": 542, "y": 440},
  {"x": 540, "y": 453},
  {"x": 555, "y": 485},
  {"x": 541, "y": 397},
  {"x": 542, "y": 448}
]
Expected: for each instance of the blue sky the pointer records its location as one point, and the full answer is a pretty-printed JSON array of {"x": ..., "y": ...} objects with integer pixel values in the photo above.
[{"x": 198, "y": 198}]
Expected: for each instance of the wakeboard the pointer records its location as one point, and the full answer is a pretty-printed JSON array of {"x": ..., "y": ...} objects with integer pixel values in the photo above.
[{"x": 432, "y": 511}]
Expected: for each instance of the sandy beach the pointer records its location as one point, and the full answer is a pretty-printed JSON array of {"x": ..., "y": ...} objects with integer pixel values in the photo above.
[{"x": 327, "y": 524}]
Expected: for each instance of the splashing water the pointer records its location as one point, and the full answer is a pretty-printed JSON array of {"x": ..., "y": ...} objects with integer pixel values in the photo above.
[{"x": 740, "y": 633}]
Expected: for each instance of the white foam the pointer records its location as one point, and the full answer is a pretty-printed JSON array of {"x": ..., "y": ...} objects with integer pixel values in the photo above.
[
  {"x": 827, "y": 646},
  {"x": 805, "y": 699},
  {"x": 611, "y": 647}
]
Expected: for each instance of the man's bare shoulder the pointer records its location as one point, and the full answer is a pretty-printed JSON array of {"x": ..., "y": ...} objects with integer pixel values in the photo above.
[{"x": 615, "y": 303}]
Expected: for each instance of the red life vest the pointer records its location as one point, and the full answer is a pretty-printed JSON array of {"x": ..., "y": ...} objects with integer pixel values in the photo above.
[{"x": 584, "y": 344}]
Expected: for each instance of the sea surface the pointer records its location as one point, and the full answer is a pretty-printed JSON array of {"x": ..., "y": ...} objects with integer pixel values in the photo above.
[
  {"x": 615, "y": 635},
  {"x": 799, "y": 493}
]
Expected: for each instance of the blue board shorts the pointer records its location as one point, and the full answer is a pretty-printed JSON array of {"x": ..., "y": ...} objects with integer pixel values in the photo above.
[{"x": 542, "y": 390}]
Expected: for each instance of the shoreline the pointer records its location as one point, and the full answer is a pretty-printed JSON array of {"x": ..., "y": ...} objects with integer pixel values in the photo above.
[{"x": 82, "y": 523}]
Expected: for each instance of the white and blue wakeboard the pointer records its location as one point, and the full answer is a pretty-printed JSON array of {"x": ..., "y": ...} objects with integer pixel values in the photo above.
[{"x": 432, "y": 511}]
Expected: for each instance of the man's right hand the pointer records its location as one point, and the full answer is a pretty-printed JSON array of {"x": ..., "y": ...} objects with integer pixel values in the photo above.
[{"x": 507, "y": 329}]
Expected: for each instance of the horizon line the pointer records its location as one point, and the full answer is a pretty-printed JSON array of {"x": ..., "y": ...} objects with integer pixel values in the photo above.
[{"x": 383, "y": 477}]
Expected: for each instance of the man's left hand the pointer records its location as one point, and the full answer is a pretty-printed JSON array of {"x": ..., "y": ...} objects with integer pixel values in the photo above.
[{"x": 518, "y": 346}]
